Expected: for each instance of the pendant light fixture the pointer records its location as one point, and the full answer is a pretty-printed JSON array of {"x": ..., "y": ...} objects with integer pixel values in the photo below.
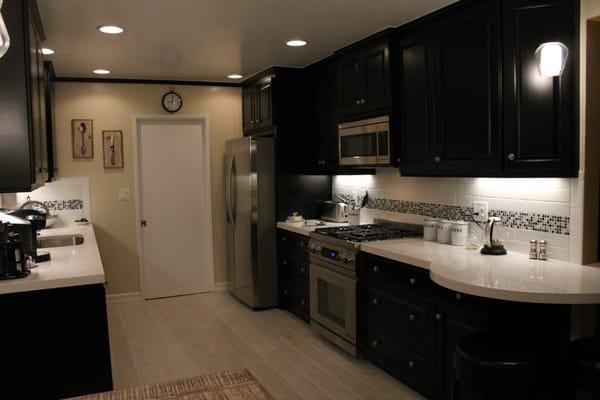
[
  {"x": 551, "y": 58},
  {"x": 4, "y": 38}
]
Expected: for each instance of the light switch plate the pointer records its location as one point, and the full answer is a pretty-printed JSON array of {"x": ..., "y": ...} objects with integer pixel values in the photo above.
[
  {"x": 124, "y": 194},
  {"x": 480, "y": 211}
]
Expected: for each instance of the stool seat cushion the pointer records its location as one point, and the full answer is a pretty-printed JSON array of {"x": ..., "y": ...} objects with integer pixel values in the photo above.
[{"x": 497, "y": 361}]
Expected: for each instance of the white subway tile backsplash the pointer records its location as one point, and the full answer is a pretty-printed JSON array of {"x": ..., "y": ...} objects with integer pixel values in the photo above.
[{"x": 541, "y": 205}]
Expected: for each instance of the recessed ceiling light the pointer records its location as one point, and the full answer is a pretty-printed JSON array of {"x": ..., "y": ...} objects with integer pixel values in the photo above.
[
  {"x": 46, "y": 51},
  {"x": 235, "y": 76},
  {"x": 110, "y": 29},
  {"x": 101, "y": 71},
  {"x": 296, "y": 43}
]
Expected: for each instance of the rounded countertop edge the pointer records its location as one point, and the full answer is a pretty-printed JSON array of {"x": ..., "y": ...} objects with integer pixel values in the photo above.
[{"x": 511, "y": 295}]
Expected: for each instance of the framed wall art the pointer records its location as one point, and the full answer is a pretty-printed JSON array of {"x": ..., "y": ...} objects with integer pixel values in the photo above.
[
  {"x": 82, "y": 134},
  {"x": 112, "y": 144}
]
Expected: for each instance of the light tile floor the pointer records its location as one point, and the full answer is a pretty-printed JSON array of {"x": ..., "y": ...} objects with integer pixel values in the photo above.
[{"x": 159, "y": 340}]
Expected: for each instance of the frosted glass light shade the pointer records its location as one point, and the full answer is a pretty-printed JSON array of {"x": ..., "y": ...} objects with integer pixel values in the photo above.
[
  {"x": 4, "y": 38},
  {"x": 551, "y": 58}
]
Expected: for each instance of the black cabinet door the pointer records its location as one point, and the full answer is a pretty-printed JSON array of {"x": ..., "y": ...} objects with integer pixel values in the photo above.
[
  {"x": 375, "y": 83},
  {"x": 248, "y": 109},
  {"x": 264, "y": 107},
  {"x": 467, "y": 91},
  {"x": 314, "y": 118},
  {"x": 540, "y": 120},
  {"x": 452, "y": 323},
  {"x": 415, "y": 102},
  {"x": 350, "y": 85},
  {"x": 329, "y": 117}
]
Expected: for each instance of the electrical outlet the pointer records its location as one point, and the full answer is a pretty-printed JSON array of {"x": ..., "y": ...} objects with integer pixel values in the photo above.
[{"x": 480, "y": 211}]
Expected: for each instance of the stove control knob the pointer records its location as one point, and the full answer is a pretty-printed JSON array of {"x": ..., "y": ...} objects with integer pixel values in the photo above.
[
  {"x": 349, "y": 259},
  {"x": 318, "y": 249},
  {"x": 311, "y": 248}
]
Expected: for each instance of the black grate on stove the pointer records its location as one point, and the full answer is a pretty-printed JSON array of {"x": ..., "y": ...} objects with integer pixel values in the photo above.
[{"x": 365, "y": 233}]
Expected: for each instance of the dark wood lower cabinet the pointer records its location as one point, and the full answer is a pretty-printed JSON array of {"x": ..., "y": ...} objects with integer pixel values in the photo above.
[
  {"x": 293, "y": 273},
  {"x": 55, "y": 343},
  {"x": 410, "y": 326}
]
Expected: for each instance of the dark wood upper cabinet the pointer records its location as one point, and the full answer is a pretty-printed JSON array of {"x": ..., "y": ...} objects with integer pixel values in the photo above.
[
  {"x": 364, "y": 79},
  {"x": 415, "y": 71},
  {"x": 468, "y": 91},
  {"x": 23, "y": 140},
  {"x": 321, "y": 118},
  {"x": 540, "y": 118},
  {"x": 257, "y": 105}
]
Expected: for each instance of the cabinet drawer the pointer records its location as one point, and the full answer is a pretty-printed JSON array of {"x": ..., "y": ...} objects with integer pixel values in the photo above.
[
  {"x": 293, "y": 245},
  {"x": 461, "y": 302},
  {"x": 295, "y": 267},
  {"x": 397, "y": 275},
  {"x": 409, "y": 367},
  {"x": 296, "y": 297},
  {"x": 405, "y": 319}
]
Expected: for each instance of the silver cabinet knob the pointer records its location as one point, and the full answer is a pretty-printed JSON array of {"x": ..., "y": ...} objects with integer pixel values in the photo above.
[
  {"x": 438, "y": 317},
  {"x": 302, "y": 270},
  {"x": 284, "y": 239},
  {"x": 413, "y": 281},
  {"x": 302, "y": 302},
  {"x": 285, "y": 292},
  {"x": 411, "y": 364},
  {"x": 363, "y": 101},
  {"x": 458, "y": 296},
  {"x": 412, "y": 317},
  {"x": 357, "y": 102},
  {"x": 374, "y": 343},
  {"x": 375, "y": 301},
  {"x": 284, "y": 262},
  {"x": 302, "y": 244},
  {"x": 375, "y": 268},
  {"x": 511, "y": 156},
  {"x": 398, "y": 159},
  {"x": 437, "y": 158}
]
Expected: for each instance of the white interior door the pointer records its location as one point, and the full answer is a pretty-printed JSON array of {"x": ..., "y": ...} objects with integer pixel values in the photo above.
[{"x": 176, "y": 238}]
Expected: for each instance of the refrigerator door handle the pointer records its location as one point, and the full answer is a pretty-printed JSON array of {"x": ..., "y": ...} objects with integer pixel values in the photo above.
[{"x": 228, "y": 183}]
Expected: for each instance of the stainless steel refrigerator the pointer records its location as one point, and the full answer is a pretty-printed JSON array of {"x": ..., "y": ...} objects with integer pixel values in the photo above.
[{"x": 251, "y": 224}]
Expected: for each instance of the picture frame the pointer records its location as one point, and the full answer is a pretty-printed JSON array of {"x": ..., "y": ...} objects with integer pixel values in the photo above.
[
  {"x": 82, "y": 138},
  {"x": 112, "y": 146}
]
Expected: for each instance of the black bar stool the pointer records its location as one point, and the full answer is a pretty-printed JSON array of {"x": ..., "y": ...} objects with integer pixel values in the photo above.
[
  {"x": 584, "y": 355},
  {"x": 497, "y": 368}
]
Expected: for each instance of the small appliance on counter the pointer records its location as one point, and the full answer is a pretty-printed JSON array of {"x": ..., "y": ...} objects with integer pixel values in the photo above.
[
  {"x": 31, "y": 222},
  {"x": 492, "y": 247},
  {"x": 13, "y": 261},
  {"x": 333, "y": 212}
]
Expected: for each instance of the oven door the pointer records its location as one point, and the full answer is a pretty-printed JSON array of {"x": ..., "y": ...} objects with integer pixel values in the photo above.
[{"x": 333, "y": 301}]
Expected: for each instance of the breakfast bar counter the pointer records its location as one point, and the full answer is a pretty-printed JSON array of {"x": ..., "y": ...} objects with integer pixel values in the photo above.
[{"x": 512, "y": 277}]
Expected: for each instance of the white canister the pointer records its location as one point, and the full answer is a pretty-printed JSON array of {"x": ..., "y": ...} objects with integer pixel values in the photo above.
[
  {"x": 443, "y": 231},
  {"x": 430, "y": 229},
  {"x": 460, "y": 232}
]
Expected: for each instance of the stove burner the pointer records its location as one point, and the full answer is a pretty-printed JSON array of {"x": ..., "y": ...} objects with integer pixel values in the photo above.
[{"x": 366, "y": 233}]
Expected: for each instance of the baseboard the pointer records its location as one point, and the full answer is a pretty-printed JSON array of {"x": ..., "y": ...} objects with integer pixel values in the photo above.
[
  {"x": 222, "y": 286},
  {"x": 124, "y": 297}
]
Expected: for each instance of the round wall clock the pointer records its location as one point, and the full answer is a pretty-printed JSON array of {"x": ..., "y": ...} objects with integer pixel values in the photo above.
[{"x": 172, "y": 102}]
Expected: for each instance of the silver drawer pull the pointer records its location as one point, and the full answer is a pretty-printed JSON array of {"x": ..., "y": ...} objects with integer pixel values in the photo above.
[
  {"x": 284, "y": 262},
  {"x": 412, "y": 317},
  {"x": 438, "y": 317},
  {"x": 413, "y": 281},
  {"x": 375, "y": 301},
  {"x": 302, "y": 270},
  {"x": 411, "y": 364},
  {"x": 375, "y": 268},
  {"x": 458, "y": 296},
  {"x": 374, "y": 343},
  {"x": 285, "y": 292}
]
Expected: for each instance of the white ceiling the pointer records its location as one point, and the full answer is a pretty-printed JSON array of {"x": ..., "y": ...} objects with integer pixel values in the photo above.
[{"x": 209, "y": 39}]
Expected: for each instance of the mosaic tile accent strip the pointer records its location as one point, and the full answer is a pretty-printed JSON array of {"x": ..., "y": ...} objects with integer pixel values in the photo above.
[
  {"x": 511, "y": 219},
  {"x": 59, "y": 205}
]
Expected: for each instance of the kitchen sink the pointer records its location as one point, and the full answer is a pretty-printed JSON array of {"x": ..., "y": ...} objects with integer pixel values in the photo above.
[{"x": 60, "y": 241}]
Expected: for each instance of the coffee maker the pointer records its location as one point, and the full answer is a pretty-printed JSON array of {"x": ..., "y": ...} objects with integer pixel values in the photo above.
[
  {"x": 492, "y": 247},
  {"x": 13, "y": 257}
]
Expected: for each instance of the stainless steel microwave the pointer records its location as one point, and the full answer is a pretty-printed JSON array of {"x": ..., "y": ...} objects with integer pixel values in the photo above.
[{"x": 365, "y": 142}]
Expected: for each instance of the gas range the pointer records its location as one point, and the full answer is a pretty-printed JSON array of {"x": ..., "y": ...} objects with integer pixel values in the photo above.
[{"x": 333, "y": 276}]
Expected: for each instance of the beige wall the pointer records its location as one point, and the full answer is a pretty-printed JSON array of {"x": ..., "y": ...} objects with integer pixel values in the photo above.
[{"x": 112, "y": 106}]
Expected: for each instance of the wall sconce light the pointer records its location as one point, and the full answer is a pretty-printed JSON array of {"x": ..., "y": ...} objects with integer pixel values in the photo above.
[
  {"x": 4, "y": 38},
  {"x": 551, "y": 58}
]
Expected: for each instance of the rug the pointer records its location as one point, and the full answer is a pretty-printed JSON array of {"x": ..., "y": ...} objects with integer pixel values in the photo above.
[{"x": 229, "y": 385}]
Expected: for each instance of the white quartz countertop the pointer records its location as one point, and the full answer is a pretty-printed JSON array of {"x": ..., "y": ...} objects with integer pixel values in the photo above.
[
  {"x": 511, "y": 277},
  {"x": 69, "y": 266},
  {"x": 300, "y": 228}
]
